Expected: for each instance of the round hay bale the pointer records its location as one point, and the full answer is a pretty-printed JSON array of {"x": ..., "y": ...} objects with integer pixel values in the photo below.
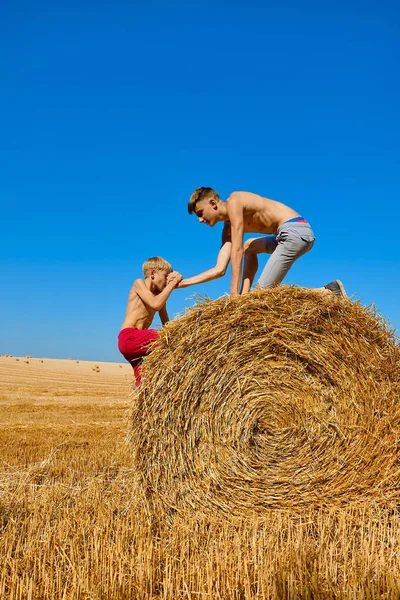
[{"x": 276, "y": 399}]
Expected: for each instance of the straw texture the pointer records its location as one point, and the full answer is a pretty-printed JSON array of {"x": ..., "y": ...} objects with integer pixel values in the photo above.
[{"x": 275, "y": 399}]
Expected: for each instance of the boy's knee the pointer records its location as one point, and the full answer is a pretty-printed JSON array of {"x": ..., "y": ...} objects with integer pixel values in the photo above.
[{"x": 247, "y": 246}]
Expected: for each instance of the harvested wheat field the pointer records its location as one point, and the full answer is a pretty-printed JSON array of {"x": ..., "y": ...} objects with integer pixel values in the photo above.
[{"x": 258, "y": 466}]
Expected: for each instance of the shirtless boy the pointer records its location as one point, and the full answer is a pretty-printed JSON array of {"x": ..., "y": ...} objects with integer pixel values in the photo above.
[
  {"x": 289, "y": 237},
  {"x": 147, "y": 296}
]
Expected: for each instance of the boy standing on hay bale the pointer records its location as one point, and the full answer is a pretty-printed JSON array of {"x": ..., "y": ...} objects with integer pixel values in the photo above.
[
  {"x": 147, "y": 296},
  {"x": 289, "y": 237}
]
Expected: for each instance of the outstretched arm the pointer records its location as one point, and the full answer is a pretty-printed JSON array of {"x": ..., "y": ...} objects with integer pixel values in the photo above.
[
  {"x": 235, "y": 212},
  {"x": 217, "y": 271}
]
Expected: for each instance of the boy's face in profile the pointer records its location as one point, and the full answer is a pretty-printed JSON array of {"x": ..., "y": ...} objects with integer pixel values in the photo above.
[
  {"x": 207, "y": 211},
  {"x": 159, "y": 279}
]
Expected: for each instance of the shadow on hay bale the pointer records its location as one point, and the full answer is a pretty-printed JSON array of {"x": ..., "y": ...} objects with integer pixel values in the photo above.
[{"x": 276, "y": 399}]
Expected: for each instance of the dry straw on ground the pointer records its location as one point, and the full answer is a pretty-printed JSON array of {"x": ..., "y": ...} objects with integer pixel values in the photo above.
[
  {"x": 74, "y": 525},
  {"x": 276, "y": 399}
]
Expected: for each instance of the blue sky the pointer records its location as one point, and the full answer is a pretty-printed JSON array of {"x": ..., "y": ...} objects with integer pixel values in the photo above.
[{"x": 112, "y": 113}]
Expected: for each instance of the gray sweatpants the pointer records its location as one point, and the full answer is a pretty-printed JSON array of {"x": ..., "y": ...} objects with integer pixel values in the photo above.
[{"x": 293, "y": 239}]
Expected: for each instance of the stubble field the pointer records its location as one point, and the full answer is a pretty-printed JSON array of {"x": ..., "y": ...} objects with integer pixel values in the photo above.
[{"x": 74, "y": 524}]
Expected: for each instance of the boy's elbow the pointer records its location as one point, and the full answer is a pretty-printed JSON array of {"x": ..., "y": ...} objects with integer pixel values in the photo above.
[{"x": 220, "y": 272}]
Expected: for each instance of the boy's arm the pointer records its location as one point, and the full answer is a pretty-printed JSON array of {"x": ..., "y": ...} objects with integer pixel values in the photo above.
[
  {"x": 235, "y": 213},
  {"x": 218, "y": 271},
  {"x": 156, "y": 302},
  {"x": 163, "y": 314}
]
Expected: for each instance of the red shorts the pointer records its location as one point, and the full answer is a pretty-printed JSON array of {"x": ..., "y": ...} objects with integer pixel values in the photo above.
[{"x": 134, "y": 344}]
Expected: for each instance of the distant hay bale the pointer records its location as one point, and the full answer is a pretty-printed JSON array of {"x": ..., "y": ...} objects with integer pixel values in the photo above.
[{"x": 276, "y": 399}]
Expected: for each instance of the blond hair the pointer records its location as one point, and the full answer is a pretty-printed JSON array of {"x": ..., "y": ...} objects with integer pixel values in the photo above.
[
  {"x": 202, "y": 193},
  {"x": 158, "y": 264}
]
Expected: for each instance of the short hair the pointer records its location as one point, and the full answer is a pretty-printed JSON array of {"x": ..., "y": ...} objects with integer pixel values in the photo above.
[
  {"x": 202, "y": 193},
  {"x": 157, "y": 263}
]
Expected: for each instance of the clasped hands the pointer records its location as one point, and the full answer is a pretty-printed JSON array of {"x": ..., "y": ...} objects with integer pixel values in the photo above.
[{"x": 174, "y": 277}]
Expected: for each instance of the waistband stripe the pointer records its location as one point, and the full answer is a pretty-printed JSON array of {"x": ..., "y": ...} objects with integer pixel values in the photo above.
[{"x": 297, "y": 220}]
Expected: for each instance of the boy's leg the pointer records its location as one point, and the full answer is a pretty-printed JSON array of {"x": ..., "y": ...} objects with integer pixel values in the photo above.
[
  {"x": 138, "y": 378},
  {"x": 134, "y": 345},
  {"x": 252, "y": 247},
  {"x": 292, "y": 242},
  {"x": 152, "y": 336}
]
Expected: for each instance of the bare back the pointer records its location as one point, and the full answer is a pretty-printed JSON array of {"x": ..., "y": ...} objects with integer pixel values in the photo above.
[
  {"x": 138, "y": 314},
  {"x": 261, "y": 215}
]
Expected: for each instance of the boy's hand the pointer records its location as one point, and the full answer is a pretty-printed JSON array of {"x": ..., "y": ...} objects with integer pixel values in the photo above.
[
  {"x": 171, "y": 277},
  {"x": 174, "y": 278}
]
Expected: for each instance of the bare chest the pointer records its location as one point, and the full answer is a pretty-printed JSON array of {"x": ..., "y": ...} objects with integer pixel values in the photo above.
[{"x": 258, "y": 223}]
